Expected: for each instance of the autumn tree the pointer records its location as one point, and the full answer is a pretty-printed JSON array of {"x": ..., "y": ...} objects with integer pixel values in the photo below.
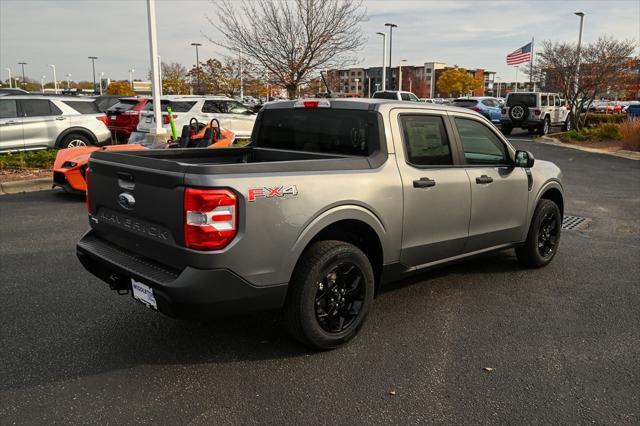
[
  {"x": 291, "y": 40},
  {"x": 121, "y": 88},
  {"x": 457, "y": 82},
  {"x": 174, "y": 79},
  {"x": 601, "y": 68}
]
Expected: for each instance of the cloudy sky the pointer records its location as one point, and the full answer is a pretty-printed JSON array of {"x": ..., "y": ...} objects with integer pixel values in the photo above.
[{"x": 466, "y": 33}]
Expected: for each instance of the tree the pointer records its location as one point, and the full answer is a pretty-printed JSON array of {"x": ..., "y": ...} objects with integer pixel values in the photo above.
[
  {"x": 604, "y": 69},
  {"x": 291, "y": 40},
  {"x": 122, "y": 88},
  {"x": 457, "y": 82},
  {"x": 174, "y": 79},
  {"x": 221, "y": 78}
]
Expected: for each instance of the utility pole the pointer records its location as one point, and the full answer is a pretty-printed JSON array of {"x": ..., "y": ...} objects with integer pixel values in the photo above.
[
  {"x": 24, "y": 80},
  {"x": 197, "y": 67},
  {"x": 55, "y": 79},
  {"x": 93, "y": 65},
  {"x": 384, "y": 61},
  {"x": 9, "y": 70},
  {"x": 391, "y": 27},
  {"x": 581, "y": 15}
]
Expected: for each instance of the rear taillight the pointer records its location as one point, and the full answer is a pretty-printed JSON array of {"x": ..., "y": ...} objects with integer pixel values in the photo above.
[
  {"x": 104, "y": 119},
  {"x": 475, "y": 108},
  {"x": 86, "y": 179},
  {"x": 165, "y": 118},
  {"x": 210, "y": 218},
  {"x": 504, "y": 110},
  {"x": 537, "y": 112}
]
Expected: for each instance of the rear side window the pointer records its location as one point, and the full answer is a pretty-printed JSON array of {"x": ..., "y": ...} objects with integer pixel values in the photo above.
[
  {"x": 224, "y": 107},
  {"x": 8, "y": 108},
  {"x": 425, "y": 140},
  {"x": 38, "y": 108},
  {"x": 347, "y": 132},
  {"x": 465, "y": 103},
  {"x": 123, "y": 105},
  {"x": 405, "y": 96},
  {"x": 543, "y": 101},
  {"x": 385, "y": 95},
  {"x": 527, "y": 99},
  {"x": 176, "y": 106},
  {"x": 83, "y": 107},
  {"x": 480, "y": 144}
]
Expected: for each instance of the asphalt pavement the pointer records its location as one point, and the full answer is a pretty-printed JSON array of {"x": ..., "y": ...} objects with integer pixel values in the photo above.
[{"x": 563, "y": 341}]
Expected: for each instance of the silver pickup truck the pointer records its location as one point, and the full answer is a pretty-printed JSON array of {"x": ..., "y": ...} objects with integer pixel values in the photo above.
[{"x": 332, "y": 198}]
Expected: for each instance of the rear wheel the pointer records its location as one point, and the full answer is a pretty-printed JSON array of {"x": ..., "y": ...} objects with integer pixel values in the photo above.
[
  {"x": 74, "y": 140},
  {"x": 543, "y": 237},
  {"x": 329, "y": 294},
  {"x": 543, "y": 127}
]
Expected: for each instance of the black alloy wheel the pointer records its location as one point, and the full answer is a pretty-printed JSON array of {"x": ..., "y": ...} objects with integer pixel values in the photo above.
[
  {"x": 548, "y": 235},
  {"x": 340, "y": 297}
]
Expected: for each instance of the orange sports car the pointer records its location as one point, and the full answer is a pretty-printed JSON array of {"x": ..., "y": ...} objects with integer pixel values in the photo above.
[{"x": 71, "y": 163}]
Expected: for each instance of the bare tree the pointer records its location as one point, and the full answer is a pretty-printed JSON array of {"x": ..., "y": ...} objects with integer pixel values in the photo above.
[
  {"x": 291, "y": 40},
  {"x": 604, "y": 69}
]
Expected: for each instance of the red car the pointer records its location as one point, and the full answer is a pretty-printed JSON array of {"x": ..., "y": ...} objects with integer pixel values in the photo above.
[{"x": 124, "y": 116}]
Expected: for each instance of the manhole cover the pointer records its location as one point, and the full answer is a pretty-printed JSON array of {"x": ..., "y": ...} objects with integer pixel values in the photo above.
[{"x": 573, "y": 223}]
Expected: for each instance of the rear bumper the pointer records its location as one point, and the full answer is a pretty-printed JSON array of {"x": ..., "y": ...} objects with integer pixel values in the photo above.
[{"x": 192, "y": 292}]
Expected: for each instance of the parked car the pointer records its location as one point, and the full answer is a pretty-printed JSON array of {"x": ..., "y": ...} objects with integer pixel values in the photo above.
[
  {"x": 124, "y": 117},
  {"x": 534, "y": 111},
  {"x": 608, "y": 108},
  {"x": 396, "y": 95},
  {"x": 104, "y": 102},
  {"x": 428, "y": 100},
  {"x": 4, "y": 91},
  {"x": 633, "y": 110},
  {"x": 29, "y": 122},
  {"x": 484, "y": 105},
  {"x": 230, "y": 113},
  {"x": 333, "y": 198}
]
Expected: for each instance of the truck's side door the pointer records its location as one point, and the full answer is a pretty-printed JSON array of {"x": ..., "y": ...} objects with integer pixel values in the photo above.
[
  {"x": 436, "y": 193},
  {"x": 10, "y": 125},
  {"x": 499, "y": 190}
]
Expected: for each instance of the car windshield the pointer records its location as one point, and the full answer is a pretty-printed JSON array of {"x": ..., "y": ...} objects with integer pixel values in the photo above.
[
  {"x": 385, "y": 95},
  {"x": 526, "y": 99},
  {"x": 349, "y": 132},
  {"x": 465, "y": 103},
  {"x": 123, "y": 105}
]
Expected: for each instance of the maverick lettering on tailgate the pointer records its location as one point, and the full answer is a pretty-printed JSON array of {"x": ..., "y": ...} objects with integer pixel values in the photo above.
[{"x": 133, "y": 225}]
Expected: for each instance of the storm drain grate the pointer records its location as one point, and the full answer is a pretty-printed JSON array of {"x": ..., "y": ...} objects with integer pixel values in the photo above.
[{"x": 573, "y": 223}]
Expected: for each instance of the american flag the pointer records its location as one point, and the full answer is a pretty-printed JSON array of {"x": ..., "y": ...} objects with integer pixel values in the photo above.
[{"x": 520, "y": 56}]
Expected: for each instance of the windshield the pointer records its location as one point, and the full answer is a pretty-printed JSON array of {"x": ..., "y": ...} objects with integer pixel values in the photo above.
[
  {"x": 526, "y": 99},
  {"x": 348, "y": 132},
  {"x": 123, "y": 105}
]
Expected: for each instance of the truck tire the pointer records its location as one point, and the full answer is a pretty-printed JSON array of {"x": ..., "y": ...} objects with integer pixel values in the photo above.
[
  {"x": 543, "y": 237},
  {"x": 329, "y": 294},
  {"x": 544, "y": 126},
  {"x": 73, "y": 140},
  {"x": 567, "y": 125}
]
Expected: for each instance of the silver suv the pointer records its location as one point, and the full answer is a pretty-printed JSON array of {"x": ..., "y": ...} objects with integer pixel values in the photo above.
[
  {"x": 534, "y": 111},
  {"x": 30, "y": 122}
]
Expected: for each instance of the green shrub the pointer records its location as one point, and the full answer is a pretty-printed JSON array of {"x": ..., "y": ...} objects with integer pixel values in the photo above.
[
  {"x": 577, "y": 135},
  {"x": 609, "y": 131},
  {"x": 592, "y": 120},
  {"x": 28, "y": 159}
]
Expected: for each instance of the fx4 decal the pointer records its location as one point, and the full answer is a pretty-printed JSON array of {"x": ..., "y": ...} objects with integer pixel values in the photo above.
[{"x": 271, "y": 192}]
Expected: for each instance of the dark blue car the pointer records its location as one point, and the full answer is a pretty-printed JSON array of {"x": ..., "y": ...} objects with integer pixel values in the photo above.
[{"x": 485, "y": 105}]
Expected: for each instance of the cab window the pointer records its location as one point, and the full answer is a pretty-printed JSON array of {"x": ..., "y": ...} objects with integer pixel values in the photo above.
[
  {"x": 425, "y": 140},
  {"x": 480, "y": 144},
  {"x": 8, "y": 108}
]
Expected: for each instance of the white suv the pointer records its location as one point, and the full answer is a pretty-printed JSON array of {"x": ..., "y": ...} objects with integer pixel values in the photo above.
[
  {"x": 534, "y": 111},
  {"x": 396, "y": 95},
  {"x": 30, "y": 122},
  {"x": 231, "y": 114}
]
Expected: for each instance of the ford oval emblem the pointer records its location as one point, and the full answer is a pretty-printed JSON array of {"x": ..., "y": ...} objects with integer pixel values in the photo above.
[{"x": 126, "y": 200}]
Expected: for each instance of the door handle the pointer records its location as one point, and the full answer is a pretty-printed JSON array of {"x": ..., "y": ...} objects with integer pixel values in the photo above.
[
  {"x": 424, "y": 182},
  {"x": 484, "y": 179},
  {"x": 60, "y": 118}
]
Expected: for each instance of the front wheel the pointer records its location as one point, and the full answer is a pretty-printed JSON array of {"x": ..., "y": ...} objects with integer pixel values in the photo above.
[
  {"x": 543, "y": 237},
  {"x": 329, "y": 294},
  {"x": 74, "y": 140}
]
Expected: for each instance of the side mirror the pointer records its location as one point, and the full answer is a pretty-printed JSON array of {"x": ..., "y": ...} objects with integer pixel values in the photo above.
[{"x": 524, "y": 159}]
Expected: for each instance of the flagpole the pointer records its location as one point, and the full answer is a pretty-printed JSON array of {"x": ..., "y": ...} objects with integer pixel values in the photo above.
[
  {"x": 516, "y": 78},
  {"x": 531, "y": 68}
]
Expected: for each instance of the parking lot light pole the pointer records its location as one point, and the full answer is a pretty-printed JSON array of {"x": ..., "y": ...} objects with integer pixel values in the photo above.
[
  {"x": 131, "y": 71},
  {"x": 581, "y": 15},
  {"x": 156, "y": 132},
  {"x": 9, "y": 71},
  {"x": 196, "y": 45},
  {"x": 55, "y": 80},
  {"x": 42, "y": 83},
  {"x": 23, "y": 79},
  {"x": 241, "y": 80},
  {"x": 93, "y": 64},
  {"x": 101, "y": 77},
  {"x": 384, "y": 61},
  {"x": 391, "y": 27},
  {"x": 68, "y": 81}
]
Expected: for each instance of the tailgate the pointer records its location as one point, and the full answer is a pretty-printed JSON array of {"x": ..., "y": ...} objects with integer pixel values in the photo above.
[{"x": 137, "y": 203}]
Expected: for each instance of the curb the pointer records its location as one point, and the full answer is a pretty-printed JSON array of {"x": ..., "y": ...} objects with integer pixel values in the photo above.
[
  {"x": 19, "y": 186},
  {"x": 629, "y": 155}
]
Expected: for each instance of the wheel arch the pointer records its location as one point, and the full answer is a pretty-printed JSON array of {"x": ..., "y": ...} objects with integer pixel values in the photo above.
[
  {"x": 80, "y": 130},
  {"x": 554, "y": 194}
]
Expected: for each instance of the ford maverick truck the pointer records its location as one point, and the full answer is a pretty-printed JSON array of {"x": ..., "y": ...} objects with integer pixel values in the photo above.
[{"x": 331, "y": 199}]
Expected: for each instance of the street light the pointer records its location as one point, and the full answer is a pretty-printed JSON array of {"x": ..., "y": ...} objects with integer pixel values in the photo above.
[
  {"x": 384, "y": 59},
  {"x": 93, "y": 64},
  {"x": 581, "y": 15},
  {"x": 391, "y": 27},
  {"x": 55, "y": 80},
  {"x": 357, "y": 80},
  {"x": 9, "y": 69},
  {"x": 101, "y": 77},
  {"x": 131, "y": 71},
  {"x": 196, "y": 45},
  {"x": 42, "y": 83},
  {"x": 498, "y": 78},
  {"x": 400, "y": 76},
  {"x": 68, "y": 81},
  {"x": 23, "y": 79}
]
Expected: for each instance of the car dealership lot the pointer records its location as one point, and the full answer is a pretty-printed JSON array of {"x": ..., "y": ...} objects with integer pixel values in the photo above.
[{"x": 563, "y": 341}]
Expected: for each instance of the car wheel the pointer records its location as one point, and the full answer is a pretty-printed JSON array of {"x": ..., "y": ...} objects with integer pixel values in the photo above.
[
  {"x": 506, "y": 130},
  {"x": 74, "y": 140},
  {"x": 329, "y": 294},
  {"x": 543, "y": 128},
  {"x": 543, "y": 237},
  {"x": 567, "y": 125}
]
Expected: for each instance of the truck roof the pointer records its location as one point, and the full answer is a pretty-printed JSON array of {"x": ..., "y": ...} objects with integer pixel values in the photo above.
[{"x": 366, "y": 104}]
